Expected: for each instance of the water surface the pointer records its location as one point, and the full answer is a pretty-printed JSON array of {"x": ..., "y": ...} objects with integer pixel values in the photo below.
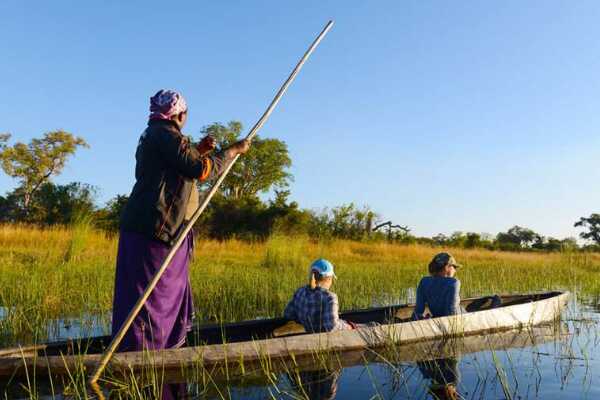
[{"x": 560, "y": 361}]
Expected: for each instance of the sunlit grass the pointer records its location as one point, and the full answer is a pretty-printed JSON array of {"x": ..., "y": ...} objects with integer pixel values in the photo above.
[{"x": 54, "y": 273}]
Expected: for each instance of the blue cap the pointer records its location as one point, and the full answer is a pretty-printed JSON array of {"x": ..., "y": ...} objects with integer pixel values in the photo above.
[{"x": 323, "y": 267}]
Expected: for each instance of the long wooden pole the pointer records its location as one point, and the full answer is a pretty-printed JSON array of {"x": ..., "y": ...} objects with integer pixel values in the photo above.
[{"x": 181, "y": 237}]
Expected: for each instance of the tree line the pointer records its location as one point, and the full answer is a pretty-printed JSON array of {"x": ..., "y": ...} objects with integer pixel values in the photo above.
[{"x": 237, "y": 211}]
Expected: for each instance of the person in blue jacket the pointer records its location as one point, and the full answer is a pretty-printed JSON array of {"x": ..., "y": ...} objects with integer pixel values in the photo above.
[{"x": 441, "y": 290}]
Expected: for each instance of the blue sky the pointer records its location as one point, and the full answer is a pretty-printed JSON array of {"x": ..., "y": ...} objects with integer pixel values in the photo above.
[{"x": 443, "y": 116}]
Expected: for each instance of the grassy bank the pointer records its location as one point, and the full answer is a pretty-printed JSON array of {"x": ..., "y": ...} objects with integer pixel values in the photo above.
[{"x": 57, "y": 273}]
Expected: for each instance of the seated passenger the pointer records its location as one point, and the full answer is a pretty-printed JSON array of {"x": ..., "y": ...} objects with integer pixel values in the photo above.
[
  {"x": 314, "y": 306},
  {"x": 440, "y": 291}
]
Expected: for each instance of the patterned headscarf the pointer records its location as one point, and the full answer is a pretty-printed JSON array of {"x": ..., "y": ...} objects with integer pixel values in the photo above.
[{"x": 166, "y": 103}]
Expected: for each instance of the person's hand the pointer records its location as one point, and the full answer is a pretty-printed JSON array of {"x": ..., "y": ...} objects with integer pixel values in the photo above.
[
  {"x": 207, "y": 144},
  {"x": 240, "y": 147}
]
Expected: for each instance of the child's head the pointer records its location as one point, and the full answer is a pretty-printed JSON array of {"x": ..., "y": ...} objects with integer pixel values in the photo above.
[
  {"x": 443, "y": 264},
  {"x": 321, "y": 273}
]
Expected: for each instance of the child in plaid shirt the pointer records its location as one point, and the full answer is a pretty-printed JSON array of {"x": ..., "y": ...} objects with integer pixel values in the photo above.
[{"x": 313, "y": 305}]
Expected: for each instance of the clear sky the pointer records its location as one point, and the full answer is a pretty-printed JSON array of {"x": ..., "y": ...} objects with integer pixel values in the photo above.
[{"x": 443, "y": 116}]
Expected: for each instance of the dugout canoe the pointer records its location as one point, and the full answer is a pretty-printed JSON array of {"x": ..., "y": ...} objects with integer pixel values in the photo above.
[
  {"x": 428, "y": 350},
  {"x": 212, "y": 346}
]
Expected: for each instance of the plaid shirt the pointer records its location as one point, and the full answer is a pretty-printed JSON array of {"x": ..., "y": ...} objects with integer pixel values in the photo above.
[{"x": 316, "y": 309}]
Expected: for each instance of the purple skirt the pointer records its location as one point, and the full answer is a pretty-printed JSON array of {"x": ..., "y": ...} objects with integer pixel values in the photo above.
[{"x": 166, "y": 317}]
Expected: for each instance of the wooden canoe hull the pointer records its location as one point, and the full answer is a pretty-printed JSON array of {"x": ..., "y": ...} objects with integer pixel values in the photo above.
[
  {"x": 541, "y": 309},
  {"x": 406, "y": 353}
]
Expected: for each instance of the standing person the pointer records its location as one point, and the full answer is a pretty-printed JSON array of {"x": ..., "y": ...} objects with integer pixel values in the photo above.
[
  {"x": 163, "y": 198},
  {"x": 314, "y": 306}
]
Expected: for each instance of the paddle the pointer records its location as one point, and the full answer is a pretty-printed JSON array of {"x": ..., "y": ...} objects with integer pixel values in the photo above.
[{"x": 181, "y": 237}]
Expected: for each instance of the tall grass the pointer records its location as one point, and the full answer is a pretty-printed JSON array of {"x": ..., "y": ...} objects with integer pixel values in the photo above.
[
  {"x": 55, "y": 273},
  {"x": 81, "y": 229}
]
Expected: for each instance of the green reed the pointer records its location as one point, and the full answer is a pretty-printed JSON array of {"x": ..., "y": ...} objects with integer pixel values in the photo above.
[
  {"x": 281, "y": 378},
  {"x": 50, "y": 274}
]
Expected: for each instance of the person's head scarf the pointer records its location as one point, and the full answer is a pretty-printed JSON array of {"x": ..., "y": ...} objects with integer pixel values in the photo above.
[{"x": 166, "y": 103}]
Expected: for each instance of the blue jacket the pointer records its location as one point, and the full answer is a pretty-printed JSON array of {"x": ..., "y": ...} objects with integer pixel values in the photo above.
[{"x": 440, "y": 294}]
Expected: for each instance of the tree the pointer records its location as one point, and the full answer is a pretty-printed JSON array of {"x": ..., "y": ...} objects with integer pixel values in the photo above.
[
  {"x": 53, "y": 204},
  {"x": 506, "y": 241},
  {"x": 262, "y": 168},
  {"x": 3, "y": 139},
  {"x": 35, "y": 163},
  {"x": 472, "y": 240},
  {"x": 545, "y": 243},
  {"x": 457, "y": 239},
  {"x": 524, "y": 236},
  {"x": 516, "y": 238},
  {"x": 287, "y": 217},
  {"x": 569, "y": 243},
  {"x": 440, "y": 239},
  {"x": 8, "y": 209},
  {"x": 61, "y": 204},
  {"x": 394, "y": 231},
  {"x": 240, "y": 218},
  {"x": 109, "y": 217},
  {"x": 348, "y": 222},
  {"x": 592, "y": 226},
  {"x": 552, "y": 244}
]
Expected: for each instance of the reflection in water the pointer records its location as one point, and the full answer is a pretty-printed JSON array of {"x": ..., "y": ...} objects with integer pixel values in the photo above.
[
  {"x": 559, "y": 361},
  {"x": 316, "y": 385},
  {"x": 166, "y": 391},
  {"x": 174, "y": 391},
  {"x": 443, "y": 375}
]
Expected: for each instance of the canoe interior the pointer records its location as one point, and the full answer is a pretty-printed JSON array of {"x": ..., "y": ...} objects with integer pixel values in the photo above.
[{"x": 252, "y": 330}]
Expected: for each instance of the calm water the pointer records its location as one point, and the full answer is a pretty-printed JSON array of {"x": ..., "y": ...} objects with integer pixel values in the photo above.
[{"x": 558, "y": 362}]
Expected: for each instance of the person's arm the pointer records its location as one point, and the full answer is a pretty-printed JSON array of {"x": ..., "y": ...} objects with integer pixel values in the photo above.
[
  {"x": 454, "y": 298},
  {"x": 331, "y": 315},
  {"x": 290, "y": 310},
  {"x": 420, "y": 306},
  {"x": 185, "y": 158}
]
